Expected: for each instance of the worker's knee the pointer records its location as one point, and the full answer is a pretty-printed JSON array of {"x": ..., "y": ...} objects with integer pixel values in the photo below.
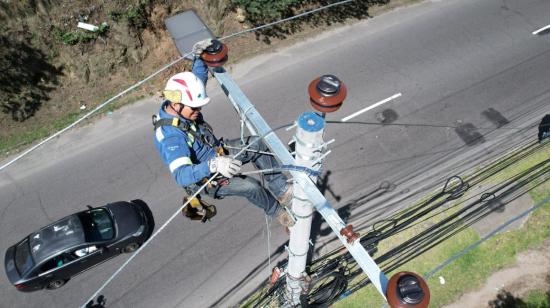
[
  {"x": 255, "y": 144},
  {"x": 240, "y": 186}
]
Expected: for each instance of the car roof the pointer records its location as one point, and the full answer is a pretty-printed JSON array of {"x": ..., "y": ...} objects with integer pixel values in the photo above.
[{"x": 57, "y": 237}]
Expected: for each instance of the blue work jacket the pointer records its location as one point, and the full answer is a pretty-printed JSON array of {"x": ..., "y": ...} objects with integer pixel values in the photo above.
[{"x": 186, "y": 156}]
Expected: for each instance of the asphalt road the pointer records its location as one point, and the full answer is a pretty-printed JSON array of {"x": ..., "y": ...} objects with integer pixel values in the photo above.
[{"x": 466, "y": 69}]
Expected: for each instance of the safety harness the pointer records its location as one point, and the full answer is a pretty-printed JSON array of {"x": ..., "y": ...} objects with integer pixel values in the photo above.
[
  {"x": 197, "y": 209},
  {"x": 189, "y": 129}
]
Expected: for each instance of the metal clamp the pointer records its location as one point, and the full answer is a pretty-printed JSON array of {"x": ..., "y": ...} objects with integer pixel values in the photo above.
[
  {"x": 290, "y": 252},
  {"x": 299, "y": 216}
]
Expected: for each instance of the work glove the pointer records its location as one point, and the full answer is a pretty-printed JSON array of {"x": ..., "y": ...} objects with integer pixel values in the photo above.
[
  {"x": 225, "y": 165},
  {"x": 200, "y": 46}
]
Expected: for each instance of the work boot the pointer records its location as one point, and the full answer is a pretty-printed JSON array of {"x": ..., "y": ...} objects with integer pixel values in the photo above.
[
  {"x": 285, "y": 199},
  {"x": 284, "y": 217},
  {"x": 285, "y": 204}
]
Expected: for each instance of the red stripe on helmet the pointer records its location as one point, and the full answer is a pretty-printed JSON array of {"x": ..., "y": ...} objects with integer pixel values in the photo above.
[{"x": 183, "y": 83}]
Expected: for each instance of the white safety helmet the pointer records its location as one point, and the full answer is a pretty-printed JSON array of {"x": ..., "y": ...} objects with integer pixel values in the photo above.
[{"x": 187, "y": 89}]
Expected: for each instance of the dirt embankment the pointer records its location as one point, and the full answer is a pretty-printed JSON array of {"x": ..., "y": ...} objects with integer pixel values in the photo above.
[
  {"x": 53, "y": 72},
  {"x": 51, "y": 68}
]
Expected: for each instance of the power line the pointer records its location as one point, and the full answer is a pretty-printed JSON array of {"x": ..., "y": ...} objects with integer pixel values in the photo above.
[
  {"x": 93, "y": 111},
  {"x": 158, "y": 72},
  {"x": 174, "y": 216},
  {"x": 426, "y": 125},
  {"x": 288, "y": 19},
  {"x": 339, "y": 260}
]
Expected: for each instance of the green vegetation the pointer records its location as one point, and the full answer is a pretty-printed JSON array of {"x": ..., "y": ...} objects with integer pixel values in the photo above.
[
  {"x": 472, "y": 269},
  {"x": 73, "y": 37},
  {"x": 537, "y": 299},
  {"x": 24, "y": 138},
  {"x": 266, "y": 10},
  {"x": 80, "y": 36},
  {"x": 135, "y": 14}
]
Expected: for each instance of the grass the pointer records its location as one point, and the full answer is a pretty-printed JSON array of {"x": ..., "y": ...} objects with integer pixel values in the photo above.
[
  {"x": 16, "y": 142},
  {"x": 537, "y": 299},
  {"x": 472, "y": 269}
]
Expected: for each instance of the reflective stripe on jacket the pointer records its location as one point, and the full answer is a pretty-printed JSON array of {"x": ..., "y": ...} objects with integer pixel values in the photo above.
[{"x": 186, "y": 157}]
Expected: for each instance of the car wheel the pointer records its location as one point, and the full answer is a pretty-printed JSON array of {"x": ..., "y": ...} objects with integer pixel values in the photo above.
[
  {"x": 130, "y": 247},
  {"x": 56, "y": 284}
]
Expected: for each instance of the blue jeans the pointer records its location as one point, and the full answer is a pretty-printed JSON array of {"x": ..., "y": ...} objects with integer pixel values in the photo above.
[{"x": 249, "y": 187}]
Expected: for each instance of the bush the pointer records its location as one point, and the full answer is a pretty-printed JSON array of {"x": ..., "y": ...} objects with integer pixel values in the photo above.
[
  {"x": 135, "y": 14},
  {"x": 260, "y": 11},
  {"x": 73, "y": 37}
]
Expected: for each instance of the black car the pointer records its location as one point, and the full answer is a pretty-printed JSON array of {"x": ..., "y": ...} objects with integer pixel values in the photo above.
[{"x": 49, "y": 257}]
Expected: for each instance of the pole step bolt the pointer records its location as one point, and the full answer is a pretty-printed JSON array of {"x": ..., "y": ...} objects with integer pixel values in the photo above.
[
  {"x": 327, "y": 93},
  {"x": 216, "y": 54},
  {"x": 407, "y": 290}
]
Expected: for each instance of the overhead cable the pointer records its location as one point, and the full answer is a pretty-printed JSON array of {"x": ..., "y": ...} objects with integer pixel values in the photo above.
[
  {"x": 18, "y": 157},
  {"x": 92, "y": 112},
  {"x": 172, "y": 218}
]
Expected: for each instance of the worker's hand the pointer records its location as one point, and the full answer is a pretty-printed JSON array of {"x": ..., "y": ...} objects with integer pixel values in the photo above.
[
  {"x": 200, "y": 46},
  {"x": 225, "y": 165}
]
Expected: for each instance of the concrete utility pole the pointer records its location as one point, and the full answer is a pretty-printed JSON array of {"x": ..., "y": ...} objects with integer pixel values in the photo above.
[
  {"x": 309, "y": 146},
  {"x": 404, "y": 289},
  {"x": 327, "y": 94}
]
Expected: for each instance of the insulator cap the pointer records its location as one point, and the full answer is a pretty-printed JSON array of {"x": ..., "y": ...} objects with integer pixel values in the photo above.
[
  {"x": 327, "y": 93},
  {"x": 216, "y": 54},
  {"x": 407, "y": 290}
]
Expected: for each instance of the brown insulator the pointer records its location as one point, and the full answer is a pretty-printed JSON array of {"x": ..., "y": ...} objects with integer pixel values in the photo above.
[
  {"x": 349, "y": 234},
  {"x": 216, "y": 54},
  {"x": 407, "y": 290},
  {"x": 327, "y": 93}
]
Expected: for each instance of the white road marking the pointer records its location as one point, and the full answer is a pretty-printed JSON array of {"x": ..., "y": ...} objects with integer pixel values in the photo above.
[
  {"x": 353, "y": 115},
  {"x": 541, "y": 29}
]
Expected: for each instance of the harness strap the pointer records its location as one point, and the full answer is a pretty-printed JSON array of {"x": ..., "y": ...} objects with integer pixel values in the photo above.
[
  {"x": 184, "y": 126},
  {"x": 192, "y": 134}
]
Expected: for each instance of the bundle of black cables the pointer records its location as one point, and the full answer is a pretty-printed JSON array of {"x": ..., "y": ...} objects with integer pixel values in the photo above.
[{"x": 325, "y": 289}]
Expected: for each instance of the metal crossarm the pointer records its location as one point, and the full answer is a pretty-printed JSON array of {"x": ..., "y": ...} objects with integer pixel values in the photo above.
[{"x": 257, "y": 125}]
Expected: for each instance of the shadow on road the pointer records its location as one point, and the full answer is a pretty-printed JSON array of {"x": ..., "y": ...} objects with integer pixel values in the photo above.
[
  {"x": 101, "y": 301},
  {"x": 456, "y": 216}
]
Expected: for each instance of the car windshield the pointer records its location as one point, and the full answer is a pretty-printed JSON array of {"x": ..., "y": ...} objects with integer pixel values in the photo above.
[
  {"x": 97, "y": 225},
  {"x": 23, "y": 258}
]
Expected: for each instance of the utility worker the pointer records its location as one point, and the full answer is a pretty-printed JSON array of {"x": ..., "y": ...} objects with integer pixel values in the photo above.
[{"x": 188, "y": 146}]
